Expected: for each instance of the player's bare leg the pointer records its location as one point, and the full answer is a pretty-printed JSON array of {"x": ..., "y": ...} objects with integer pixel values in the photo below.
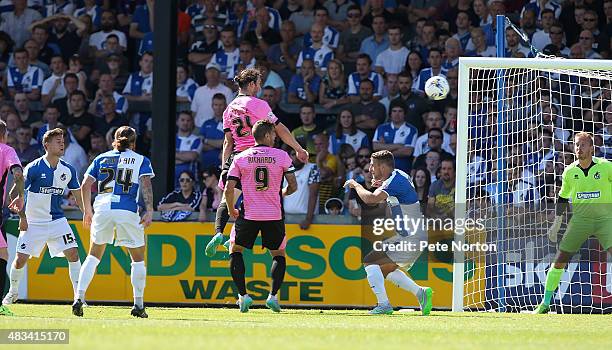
[
  {"x": 15, "y": 276},
  {"x": 138, "y": 277},
  {"x": 237, "y": 270},
  {"x": 553, "y": 276},
  {"x": 88, "y": 270},
  {"x": 279, "y": 265}
]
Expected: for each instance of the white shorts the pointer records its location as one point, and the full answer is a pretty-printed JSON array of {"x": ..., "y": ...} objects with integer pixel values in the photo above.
[
  {"x": 57, "y": 234},
  {"x": 129, "y": 231},
  {"x": 407, "y": 257}
]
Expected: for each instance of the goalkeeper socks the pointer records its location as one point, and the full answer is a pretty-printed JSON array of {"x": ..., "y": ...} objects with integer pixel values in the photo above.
[
  {"x": 377, "y": 283},
  {"x": 222, "y": 217},
  {"x": 2, "y": 277},
  {"x": 15, "y": 276},
  {"x": 86, "y": 275},
  {"x": 400, "y": 279},
  {"x": 279, "y": 265},
  {"x": 138, "y": 277},
  {"x": 237, "y": 271},
  {"x": 74, "y": 268},
  {"x": 552, "y": 282}
]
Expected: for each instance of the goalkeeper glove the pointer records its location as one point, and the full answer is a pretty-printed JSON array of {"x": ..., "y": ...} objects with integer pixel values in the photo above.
[{"x": 554, "y": 229}]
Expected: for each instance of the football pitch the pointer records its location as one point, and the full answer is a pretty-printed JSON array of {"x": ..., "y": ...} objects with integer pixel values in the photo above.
[{"x": 111, "y": 327}]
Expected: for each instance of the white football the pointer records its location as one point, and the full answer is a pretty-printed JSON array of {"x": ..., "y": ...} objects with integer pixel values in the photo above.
[{"x": 437, "y": 88}]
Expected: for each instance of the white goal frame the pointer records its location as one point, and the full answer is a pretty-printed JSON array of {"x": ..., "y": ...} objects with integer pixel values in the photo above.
[{"x": 465, "y": 64}]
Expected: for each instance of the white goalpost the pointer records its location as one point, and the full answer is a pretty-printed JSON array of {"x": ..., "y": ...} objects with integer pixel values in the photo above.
[{"x": 516, "y": 121}]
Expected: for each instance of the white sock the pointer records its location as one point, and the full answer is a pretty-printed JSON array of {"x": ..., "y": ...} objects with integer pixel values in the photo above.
[
  {"x": 88, "y": 270},
  {"x": 15, "y": 275},
  {"x": 139, "y": 279},
  {"x": 400, "y": 279},
  {"x": 377, "y": 283},
  {"x": 74, "y": 268}
]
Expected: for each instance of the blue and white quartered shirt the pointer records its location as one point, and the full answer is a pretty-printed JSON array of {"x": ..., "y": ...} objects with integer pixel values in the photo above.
[{"x": 44, "y": 189}]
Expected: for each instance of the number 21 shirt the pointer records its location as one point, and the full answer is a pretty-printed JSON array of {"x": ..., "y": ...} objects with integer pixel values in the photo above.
[{"x": 240, "y": 116}]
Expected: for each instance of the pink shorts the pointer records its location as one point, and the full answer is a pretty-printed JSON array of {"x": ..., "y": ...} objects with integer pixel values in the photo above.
[{"x": 2, "y": 240}]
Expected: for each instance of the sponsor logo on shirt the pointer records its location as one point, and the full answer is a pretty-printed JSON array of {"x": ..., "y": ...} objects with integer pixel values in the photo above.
[
  {"x": 588, "y": 195},
  {"x": 52, "y": 190}
]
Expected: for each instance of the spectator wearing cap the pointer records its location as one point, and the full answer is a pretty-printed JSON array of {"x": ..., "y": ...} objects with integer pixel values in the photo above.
[
  {"x": 185, "y": 86},
  {"x": 91, "y": 9},
  {"x": 364, "y": 71},
  {"x": 352, "y": 37},
  {"x": 212, "y": 133},
  {"x": 201, "y": 104},
  {"x": 53, "y": 87},
  {"x": 283, "y": 56},
  {"x": 114, "y": 64},
  {"x": 262, "y": 36},
  {"x": 228, "y": 57},
  {"x": 97, "y": 40},
  {"x": 178, "y": 204},
  {"x": 397, "y": 136},
  {"x": 17, "y": 22},
  {"x": 188, "y": 146},
  {"x": 203, "y": 49},
  {"x": 24, "y": 77}
]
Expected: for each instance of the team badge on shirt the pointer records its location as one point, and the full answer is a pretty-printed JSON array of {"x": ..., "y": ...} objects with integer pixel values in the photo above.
[{"x": 597, "y": 176}]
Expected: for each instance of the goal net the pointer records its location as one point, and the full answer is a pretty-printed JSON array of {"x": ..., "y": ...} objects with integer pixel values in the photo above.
[{"x": 517, "y": 121}]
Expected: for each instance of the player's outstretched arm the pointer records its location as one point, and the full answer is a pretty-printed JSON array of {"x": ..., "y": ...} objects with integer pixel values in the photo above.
[
  {"x": 291, "y": 184},
  {"x": 366, "y": 196},
  {"x": 285, "y": 135},
  {"x": 147, "y": 197}
]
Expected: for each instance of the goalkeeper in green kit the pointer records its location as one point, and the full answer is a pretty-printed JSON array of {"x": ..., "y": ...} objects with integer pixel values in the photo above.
[{"x": 587, "y": 184}]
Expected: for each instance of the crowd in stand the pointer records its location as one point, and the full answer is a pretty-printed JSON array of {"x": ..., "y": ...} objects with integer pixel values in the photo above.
[{"x": 347, "y": 77}]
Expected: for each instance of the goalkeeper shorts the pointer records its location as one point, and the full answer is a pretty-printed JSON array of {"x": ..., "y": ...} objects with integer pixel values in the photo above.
[{"x": 580, "y": 229}]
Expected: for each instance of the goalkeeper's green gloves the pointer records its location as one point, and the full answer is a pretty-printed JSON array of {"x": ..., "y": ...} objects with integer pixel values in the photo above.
[{"x": 553, "y": 231}]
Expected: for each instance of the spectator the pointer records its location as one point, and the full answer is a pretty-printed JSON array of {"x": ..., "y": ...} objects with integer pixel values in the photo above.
[
  {"x": 304, "y": 86},
  {"x": 140, "y": 24},
  {"x": 393, "y": 59},
  {"x": 450, "y": 117},
  {"x": 463, "y": 27},
  {"x": 422, "y": 182},
  {"x": 288, "y": 8},
  {"x": 212, "y": 133},
  {"x": 541, "y": 38},
  {"x": 97, "y": 146},
  {"x": 304, "y": 200},
  {"x": 263, "y": 36},
  {"x": 6, "y": 107},
  {"x": 452, "y": 51},
  {"x": 228, "y": 57},
  {"x": 331, "y": 37},
  {"x": 332, "y": 91},
  {"x": 269, "y": 95},
  {"x": 305, "y": 133},
  {"x": 93, "y": 10},
  {"x": 110, "y": 118},
  {"x": 346, "y": 132},
  {"x": 339, "y": 11},
  {"x": 318, "y": 52},
  {"x": 481, "y": 49},
  {"x": 246, "y": 55},
  {"x": 586, "y": 43},
  {"x": 606, "y": 133},
  {"x": 378, "y": 42},
  {"x": 80, "y": 122},
  {"x": 113, "y": 64},
  {"x": 304, "y": 19},
  {"x": 33, "y": 51},
  {"x": 528, "y": 23},
  {"x": 441, "y": 202},
  {"x": 201, "y": 104},
  {"x": 601, "y": 40},
  {"x": 576, "y": 51},
  {"x": 51, "y": 116},
  {"x": 107, "y": 87},
  {"x": 97, "y": 41},
  {"x": 211, "y": 193},
  {"x": 188, "y": 146},
  {"x": 70, "y": 82},
  {"x": 351, "y": 38},
  {"x": 212, "y": 9},
  {"x": 139, "y": 86},
  {"x": 391, "y": 91},
  {"x": 482, "y": 11},
  {"x": 557, "y": 38},
  {"x": 513, "y": 45},
  {"x": 425, "y": 41},
  {"x": 333, "y": 206},
  {"x": 329, "y": 167},
  {"x": 63, "y": 36},
  {"x": 414, "y": 104},
  {"x": 363, "y": 157},
  {"x": 432, "y": 140},
  {"x": 74, "y": 154},
  {"x": 368, "y": 113},
  {"x": 538, "y": 7},
  {"x": 364, "y": 71},
  {"x": 17, "y": 22},
  {"x": 6, "y": 49},
  {"x": 435, "y": 69},
  {"x": 24, "y": 111},
  {"x": 178, "y": 204},
  {"x": 58, "y": 7},
  {"x": 24, "y": 77},
  {"x": 26, "y": 151},
  {"x": 41, "y": 36},
  {"x": 414, "y": 65},
  {"x": 185, "y": 86},
  {"x": 271, "y": 79},
  {"x": 398, "y": 137},
  {"x": 75, "y": 65},
  {"x": 377, "y": 8},
  {"x": 203, "y": 49},
  {"x": 275, "y": 19},
  {"x": 53, "y": 87},
  {"x": 13, "y": 123},
  {"x": 283, "y": 56}
]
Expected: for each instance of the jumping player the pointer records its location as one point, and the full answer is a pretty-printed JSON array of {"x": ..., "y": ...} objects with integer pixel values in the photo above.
[
  {"x": 260, "y": 169},
  {"x": 43, "y": 221},
  {"x": 121, "y": 175},
  {"x": 396, "y": 188},
  {"x": 238, "y": 119}
]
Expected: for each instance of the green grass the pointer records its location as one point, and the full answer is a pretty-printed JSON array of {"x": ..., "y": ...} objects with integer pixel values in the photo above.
[{"x": 112, "y": 328}]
